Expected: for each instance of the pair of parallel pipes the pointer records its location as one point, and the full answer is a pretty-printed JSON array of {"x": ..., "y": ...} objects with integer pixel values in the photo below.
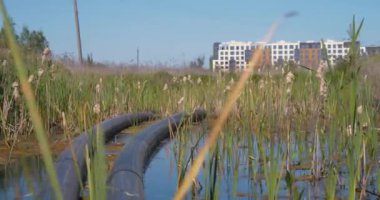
[{"x": 125, "y": 180}]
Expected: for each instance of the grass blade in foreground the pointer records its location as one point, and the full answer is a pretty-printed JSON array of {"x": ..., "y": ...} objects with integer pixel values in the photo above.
[
  {"x": 232, "y": 98},
  {"x": 30, "y": 102}
]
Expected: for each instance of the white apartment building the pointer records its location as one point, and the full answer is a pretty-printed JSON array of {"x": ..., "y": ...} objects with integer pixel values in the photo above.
[
  {"x": 228, "y": 54},
  {"x": 235, "y": 55},
  {"x": 336, "y": 50},
  {"x": 283, "y": 51}
]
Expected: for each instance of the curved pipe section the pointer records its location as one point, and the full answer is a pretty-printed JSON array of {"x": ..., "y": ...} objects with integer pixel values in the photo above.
[
  {"x": 65, "y": 164},
  {"x": 126, "y": 178}
]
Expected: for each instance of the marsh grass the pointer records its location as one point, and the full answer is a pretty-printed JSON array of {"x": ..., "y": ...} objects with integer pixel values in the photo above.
[
  {"x": 30, "y": 102},
  {"x": 96, "y": 167},
  {"x": 278, "y": 122}
]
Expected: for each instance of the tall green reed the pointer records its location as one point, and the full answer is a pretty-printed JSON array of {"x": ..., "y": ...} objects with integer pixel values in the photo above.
[{"x": 30, "y": 102}]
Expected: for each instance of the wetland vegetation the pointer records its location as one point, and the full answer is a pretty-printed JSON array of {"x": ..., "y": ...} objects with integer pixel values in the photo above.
[{"x": 292, "y": 133}]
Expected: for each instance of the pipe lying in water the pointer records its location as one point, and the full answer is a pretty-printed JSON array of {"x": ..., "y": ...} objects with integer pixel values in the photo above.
[
  {"x": 65, "y": 164},
  {"x": 126, "y": 178}
]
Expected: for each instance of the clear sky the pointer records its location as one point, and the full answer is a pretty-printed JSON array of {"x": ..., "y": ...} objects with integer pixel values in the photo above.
[{"x": 176, "y": 31}]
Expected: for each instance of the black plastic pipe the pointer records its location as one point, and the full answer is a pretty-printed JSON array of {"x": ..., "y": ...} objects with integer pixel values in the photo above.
[
  {"x": 65, "y": 164},
  {"x": 126, "y": 178}
]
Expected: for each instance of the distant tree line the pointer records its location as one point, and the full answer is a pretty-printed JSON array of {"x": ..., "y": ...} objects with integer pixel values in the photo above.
[
  {"x": 30, "y": 41},
  {"x": 197, "y": 63}
]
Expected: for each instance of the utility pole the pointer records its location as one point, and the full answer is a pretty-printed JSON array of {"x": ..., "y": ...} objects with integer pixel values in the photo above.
[
  {"x": 138, "y": 57},
  {"x": 79, "y": 43}
]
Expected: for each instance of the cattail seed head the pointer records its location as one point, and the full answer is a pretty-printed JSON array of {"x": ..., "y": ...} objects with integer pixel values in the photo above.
[
  {"x": 31, "y": 78},
  {"x": 181, "y": 100},
  {"x": 96, "y": 108},
  {"x": 349, "y": 130},
  {"x": 16, "y": 93},
  {"x": 261, "y": 84},
  {"x": 15, "y": 84},
  {"x": 97, "y": 88},
  {"x": 40, "y": 72},
  {"x": 63, "y": 120},
  {"x": 359, "y": 109},
  {"x": 4, "y": 63},
  {"x": 199, "y": 81},
  {"x": 138, "y": 85},
  {"x": 289, "y": 77},
  {"x": 165, "y": 87},
  {"x": 323, "y": 88},
  {"x": 289, "y": 90}
]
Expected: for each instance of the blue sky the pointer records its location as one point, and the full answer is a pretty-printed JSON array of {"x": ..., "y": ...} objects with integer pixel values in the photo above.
[{"x": 176, "y": 31}]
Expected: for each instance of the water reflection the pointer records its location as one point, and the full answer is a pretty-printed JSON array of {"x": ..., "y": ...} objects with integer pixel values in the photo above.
[{"x": 21, "y": 180}]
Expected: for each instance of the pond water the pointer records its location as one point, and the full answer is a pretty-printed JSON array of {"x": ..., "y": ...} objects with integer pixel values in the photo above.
[
  {"x": 239, "y": 172},
  {"x": 21, "y": 179},
  {"x": 240, "y": 177}
]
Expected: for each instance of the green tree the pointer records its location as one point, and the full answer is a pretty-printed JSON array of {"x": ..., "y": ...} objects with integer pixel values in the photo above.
[
  {"x": 198, "y": 62},
  {"x": 33, "y": 41},
  {"x": 3, "y": 41}
]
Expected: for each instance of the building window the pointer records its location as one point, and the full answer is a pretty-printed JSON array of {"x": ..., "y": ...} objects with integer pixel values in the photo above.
[
  {"x": 329, "y": 46},
  {"x": 339, "y": 51},
  {"x": 274, "y": 52},
  {"x": 222, "y": 48},
  {"x": 242, "y": 57},
  {"x": 232, "y": 53},
  {"x": 334, "y": 51},
  {"x": 329, "y": 51},
  {"x": 285, "y": 46},
  {"x": 232, "y": 48},
  {"x": 340, "y": 46},
  {"x": 280, "y": 52},
  {"x": 334, "y": 46},
  {"x": 222, "y": 53},
  {"x": 291, "y": 47},
  {"x": 274, "y": 57},
  {"x": 274, "y": 47},
  {"x": 237, "y": 48},
  {"x": 280, "y": 46},
  {"x": 285, "y": 52},
  {"x": 226, "y": 63},
  {"x": 291, "y": 51}
]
